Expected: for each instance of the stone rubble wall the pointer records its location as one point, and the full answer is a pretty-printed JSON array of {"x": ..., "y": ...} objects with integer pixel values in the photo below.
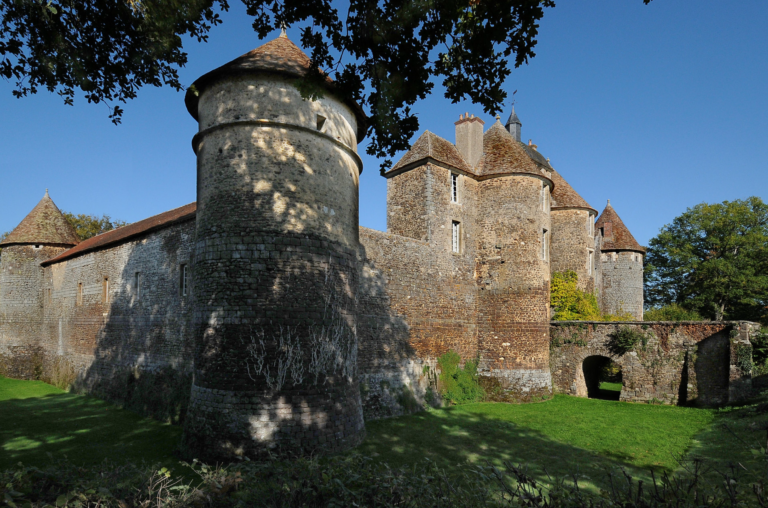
[
  {"x": 621, "y": 288},
  {"x": 571, "y": 244},
  {"x": 685, "y": 363}
]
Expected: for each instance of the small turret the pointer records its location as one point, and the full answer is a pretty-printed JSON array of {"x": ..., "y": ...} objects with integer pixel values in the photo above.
[
  {"x": 44, "y": 225},
  {"x": 621, "y": 260},
  {"x": 514, "y": 126}
]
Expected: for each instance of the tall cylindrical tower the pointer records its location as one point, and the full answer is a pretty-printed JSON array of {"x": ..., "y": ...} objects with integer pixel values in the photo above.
[
  {"x": 43, "y": 234},
  {"x": 621, "y": 266},
  {"x": 513, "y": 267},
  {"x": 274, "y": 275}
]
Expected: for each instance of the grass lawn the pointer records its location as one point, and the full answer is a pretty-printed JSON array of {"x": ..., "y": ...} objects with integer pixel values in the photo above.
[{"x": 37, "y": 419}]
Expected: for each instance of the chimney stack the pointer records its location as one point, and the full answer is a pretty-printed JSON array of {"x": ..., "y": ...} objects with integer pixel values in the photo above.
[{"x": 469, "y": 138}]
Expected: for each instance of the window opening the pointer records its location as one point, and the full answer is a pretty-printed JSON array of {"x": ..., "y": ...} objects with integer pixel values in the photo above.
[
  {"x": 544, "y": 245},
  {"x": 454, "y": 188},
  {"x": 184, "y": 280},
  {"x": 320, "y": 119},
  {"x": 137, "y": 284},
  {"x": 105, "y": 290},
  {"x": 456, "y": 229},
  {"x": 590, "y": 261},
  {"x": 79, "y": 293}
]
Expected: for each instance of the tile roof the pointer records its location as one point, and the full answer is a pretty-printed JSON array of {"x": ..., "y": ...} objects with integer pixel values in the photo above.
[
  {"x": 278, "y": 56},
  {"x": 502, "y": 153},
  {"x": 45, "y": 225},
  {"x": 125, "y": 233},
  {"x": 563, "y": 195},
  {"x": 616, "y": 234},
  {"x": 432, "y": 146}
]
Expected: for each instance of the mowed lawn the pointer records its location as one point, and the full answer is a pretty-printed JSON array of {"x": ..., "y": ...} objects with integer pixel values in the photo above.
[
  {"x": 563, "y": 436},
  {"x": 37, "y": 419}
]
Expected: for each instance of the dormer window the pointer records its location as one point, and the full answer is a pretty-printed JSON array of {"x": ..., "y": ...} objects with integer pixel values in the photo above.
[{"x": 454, "y": 188}]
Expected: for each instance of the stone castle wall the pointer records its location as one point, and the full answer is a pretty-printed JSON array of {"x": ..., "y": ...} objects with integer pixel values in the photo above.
[
  {"x": 621, "y": 288},
  {"x": 674, "y": 362},
  {"x": 572, "y": 242}
]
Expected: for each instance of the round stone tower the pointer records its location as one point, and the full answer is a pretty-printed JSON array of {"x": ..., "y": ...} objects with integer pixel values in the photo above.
[
  {"x": 513, "y": 266},
  {"x": 42, "y": 235},
  {"x": 621, "y": 266},
  {"x": 274, "y": 276},
  {"x": 573, "y": 237}
]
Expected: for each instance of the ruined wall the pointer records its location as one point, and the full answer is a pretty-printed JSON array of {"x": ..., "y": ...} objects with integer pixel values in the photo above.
[
  {"x": 673, "y": 362},
  {"x": 21, "y": 309},
  {"x": 572, "y": 241},
  {"x": 513, "y": 276},
  {"x": 621, "y": 287}
]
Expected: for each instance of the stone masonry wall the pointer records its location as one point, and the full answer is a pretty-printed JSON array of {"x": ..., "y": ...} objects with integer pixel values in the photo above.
[
  {"x": 622, "y": 283},
  {"x": 572, "y": 242},
  {"x": 673, "y": 362}
]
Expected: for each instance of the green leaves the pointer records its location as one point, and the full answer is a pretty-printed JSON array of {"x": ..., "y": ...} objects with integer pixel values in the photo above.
[
  {"x": 712, "y": 259},
  {"x": 87, "y": 226}
]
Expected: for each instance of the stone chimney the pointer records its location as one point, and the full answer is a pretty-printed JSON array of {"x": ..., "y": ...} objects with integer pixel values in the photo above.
[
  {"x": 469, "y": 138},
  {"x": 514, "y": 126}
]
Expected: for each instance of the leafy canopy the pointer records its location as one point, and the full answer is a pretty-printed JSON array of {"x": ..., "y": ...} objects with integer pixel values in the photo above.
[
  {"x": 569, "y": 303},
  {"x": 386, "y": 55},
  {"x": 712, "y": 259},
  {"x": 87, "y": 226}
]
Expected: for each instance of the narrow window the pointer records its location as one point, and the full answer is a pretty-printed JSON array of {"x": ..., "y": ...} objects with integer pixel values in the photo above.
[
  {"x": 590, "y": 261},
  {"x": 184, "y": 280},
  {"x": 545, "y": 245},
  {"x": 456, "y": 243},
  {"x": 320, "y": 119},
  {"x": 50, "y": 295},
  {"x": 137, "y": 284},
  {"x": 105, "y": 290},
  {"x": 454, "y": 188},
  {"x": 79, "y": 293}
]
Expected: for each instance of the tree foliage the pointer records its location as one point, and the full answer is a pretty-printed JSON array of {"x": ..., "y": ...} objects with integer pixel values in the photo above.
[
  {"x": 712, "y": 259},
  {"x": 458, "y": 385},
  {"x": 569, "y": 303},
  {"x": 386, "y": 55},
  {"x": 671, "y": 312},
  {"x": 87, "y": 226}
]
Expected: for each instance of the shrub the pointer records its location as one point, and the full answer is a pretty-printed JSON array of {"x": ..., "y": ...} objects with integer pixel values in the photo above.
[
  {"x": 671, "y": 312},
  {"x": 458, "y": 385},
  {"x": 569, "y": 303},
  {"x": 625, "y": 339}
]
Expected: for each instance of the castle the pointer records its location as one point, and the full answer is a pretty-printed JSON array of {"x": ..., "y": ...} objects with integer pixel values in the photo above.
[{"x": 288, "y": 322}]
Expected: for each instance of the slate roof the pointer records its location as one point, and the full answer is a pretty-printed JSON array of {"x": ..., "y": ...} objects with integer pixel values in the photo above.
[
  {"x": 619, "y": 237},
  {"x": 502, "y": 153},
  {"x": 278, "y": 56},
  {"x": 563, "y": 195},
  {"x": 125, "y": 233},
  {"x": 430, "y": 145},
  {"x": 513, "y": 118},
  {"x": 44, "y": 225}
]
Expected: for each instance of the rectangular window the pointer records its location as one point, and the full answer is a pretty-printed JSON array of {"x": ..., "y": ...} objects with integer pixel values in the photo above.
[
  {"x": 137, "y": 284},
  {"x": 105, "y": 290},
  {"x": 454, "y": 188},
  {"x": 590, "y": 261},
  {"x": 79, "y": 293},
  {"x": 545, "y": 245},
  {"x": 456, "y": 239},
  {"x": 184, "y": 280},
  {"x": 49, "y": 296}
]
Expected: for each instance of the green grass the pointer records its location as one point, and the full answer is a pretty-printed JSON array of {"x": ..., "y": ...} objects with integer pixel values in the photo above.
[
  {"x": 37, "y": 419},
  {"x": 611, "y": 387}
]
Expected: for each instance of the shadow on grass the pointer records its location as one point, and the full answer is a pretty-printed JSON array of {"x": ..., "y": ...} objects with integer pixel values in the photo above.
[
  {"x": 454, "y": 439},
  {"x": 85, "y": 429}
]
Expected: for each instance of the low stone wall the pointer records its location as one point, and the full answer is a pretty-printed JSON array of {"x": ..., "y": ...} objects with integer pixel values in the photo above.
[{"x": 698, "y": 363}]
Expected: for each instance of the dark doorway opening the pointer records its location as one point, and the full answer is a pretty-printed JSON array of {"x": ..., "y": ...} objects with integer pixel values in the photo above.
[{"x": 602, "y": 377}]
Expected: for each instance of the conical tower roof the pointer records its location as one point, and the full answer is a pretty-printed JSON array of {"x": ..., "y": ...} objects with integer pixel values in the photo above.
[
  {"x": 563, "y": 195},
  {"x": 502, "y": 154},
  {"x": 45, "y": 225},
  {"x": 278, "y": 56},
  {"x": 432, "y": 146},
  {"x": 513, "y": 118},
  {"x": 616, "y": 236}
]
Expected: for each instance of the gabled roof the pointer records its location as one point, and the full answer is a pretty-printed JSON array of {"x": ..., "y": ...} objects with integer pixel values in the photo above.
[
  {"x": 502, "y": 153},
  {"x": 44, "y": 225},
  {"x": 278, "y": 56},
  {"x": 616, "y": 235},
  {"x": 563, "y": 195},
  {"x": 125, "y": 233},
  {"x": 432, "y": 146}
]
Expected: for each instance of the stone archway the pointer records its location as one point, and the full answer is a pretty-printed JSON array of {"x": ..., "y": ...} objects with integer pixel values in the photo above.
[{"x": 602, "y": 378}]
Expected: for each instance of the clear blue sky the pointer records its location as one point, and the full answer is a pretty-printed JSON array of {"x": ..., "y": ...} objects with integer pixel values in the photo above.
[{"x": 656, "y": 108}]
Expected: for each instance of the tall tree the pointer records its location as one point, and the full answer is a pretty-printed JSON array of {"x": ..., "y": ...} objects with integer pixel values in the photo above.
[
  {"x": 712, "y": 259},
  {"x": 386, "y": 55},
  {"x": 87, "y": 226}
]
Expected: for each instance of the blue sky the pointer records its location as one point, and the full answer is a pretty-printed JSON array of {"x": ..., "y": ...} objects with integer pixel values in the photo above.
[{"x": 657, "y": 108}]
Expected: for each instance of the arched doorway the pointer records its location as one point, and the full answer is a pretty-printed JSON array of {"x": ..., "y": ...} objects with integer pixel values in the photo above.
[{"x": 602, "y": 377}]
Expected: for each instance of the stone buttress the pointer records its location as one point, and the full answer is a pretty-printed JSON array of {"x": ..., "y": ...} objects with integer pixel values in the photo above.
[{"x": 275, "y": 275}]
